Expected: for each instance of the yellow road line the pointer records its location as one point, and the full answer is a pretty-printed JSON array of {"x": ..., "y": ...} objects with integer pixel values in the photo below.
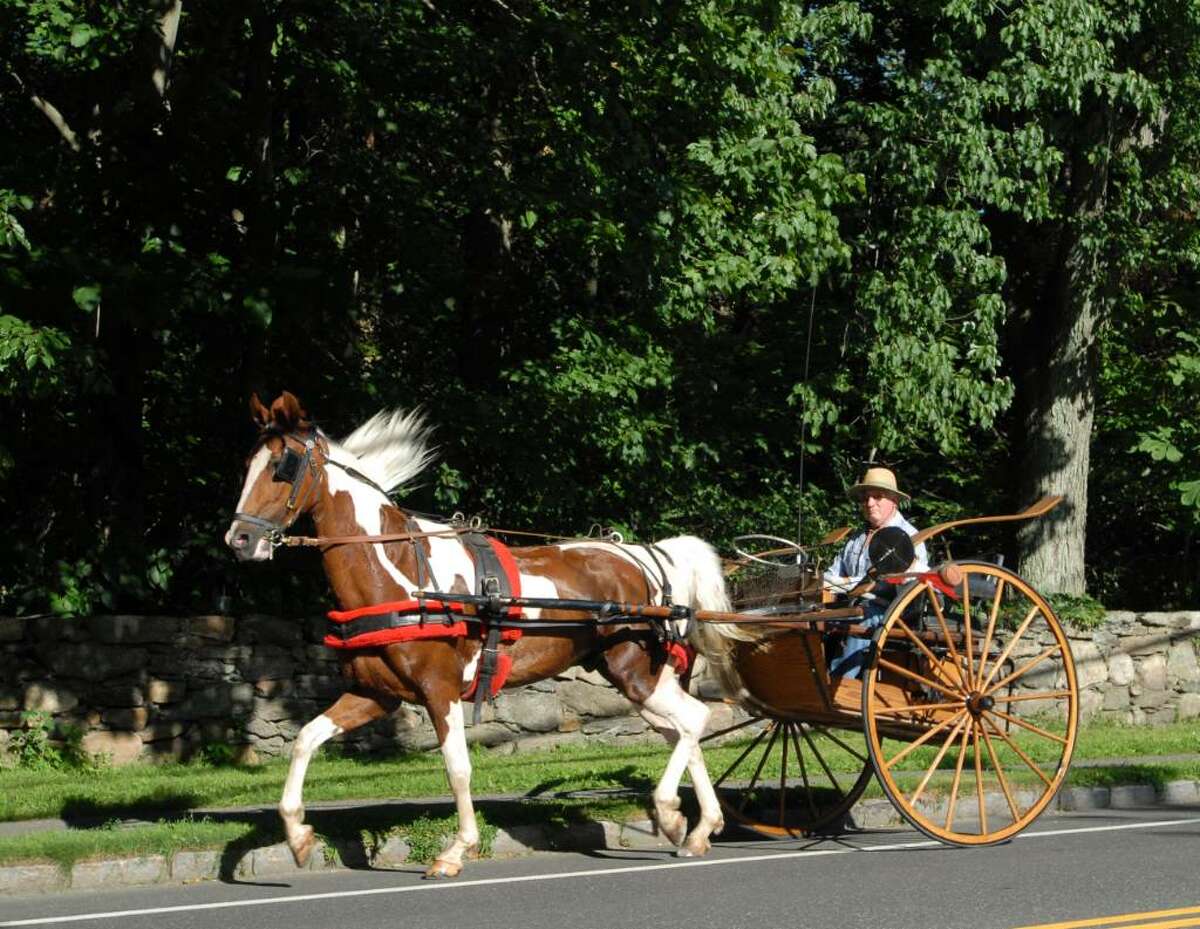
[{"x": 1193, "y": 913}]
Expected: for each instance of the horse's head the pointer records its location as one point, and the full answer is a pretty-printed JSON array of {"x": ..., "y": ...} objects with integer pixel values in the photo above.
[{"x": 283, "y": 474}]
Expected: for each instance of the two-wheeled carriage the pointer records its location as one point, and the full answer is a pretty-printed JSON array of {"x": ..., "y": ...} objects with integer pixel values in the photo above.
[{"x": 966, "y": 714}]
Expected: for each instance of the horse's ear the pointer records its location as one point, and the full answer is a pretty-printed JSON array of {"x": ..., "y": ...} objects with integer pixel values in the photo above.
[
  {"x": 287, "y": 412},
  {"x": 258, "y": 412}
]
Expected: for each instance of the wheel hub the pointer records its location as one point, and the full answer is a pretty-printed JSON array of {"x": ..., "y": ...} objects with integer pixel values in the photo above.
[{"x": 978, "y": 702}]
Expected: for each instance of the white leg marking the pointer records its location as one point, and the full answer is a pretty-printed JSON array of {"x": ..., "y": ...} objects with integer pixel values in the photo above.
[
  {"x": 291, "y": 805},
  {"x": 688, "y": 717},
  {"x": 458, "y": 771}
]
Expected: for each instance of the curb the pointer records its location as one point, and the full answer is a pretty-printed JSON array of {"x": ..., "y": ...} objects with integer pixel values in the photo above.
[{"x": 186, "y": 867}]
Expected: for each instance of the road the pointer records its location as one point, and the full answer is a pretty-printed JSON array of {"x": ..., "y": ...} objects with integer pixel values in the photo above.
[{"x": 1129, "y": 869}]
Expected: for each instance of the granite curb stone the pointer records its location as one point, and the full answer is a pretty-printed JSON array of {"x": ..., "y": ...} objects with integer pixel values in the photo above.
[{"x": 276, "y": 861}]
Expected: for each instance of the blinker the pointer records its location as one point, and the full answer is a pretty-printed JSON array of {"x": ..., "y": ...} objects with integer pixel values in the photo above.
[{"x": 288, "y": 468}]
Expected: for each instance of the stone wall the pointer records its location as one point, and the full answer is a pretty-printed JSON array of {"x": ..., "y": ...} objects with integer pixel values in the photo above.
[{"x": 155, "y": 687}]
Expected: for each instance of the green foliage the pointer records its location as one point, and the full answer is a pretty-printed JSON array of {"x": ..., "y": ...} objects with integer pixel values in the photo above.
[
  {"x": 1078, "y": 612},
  {"x": 588, "y": 239},
  {"x": 34, "y": 746}
]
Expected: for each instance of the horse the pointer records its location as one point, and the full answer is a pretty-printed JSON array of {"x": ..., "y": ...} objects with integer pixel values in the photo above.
[{"x": 295, "y": 469}]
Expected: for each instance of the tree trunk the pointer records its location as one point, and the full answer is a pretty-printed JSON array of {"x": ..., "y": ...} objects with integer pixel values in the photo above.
[{"x": 1056, "y": 372}]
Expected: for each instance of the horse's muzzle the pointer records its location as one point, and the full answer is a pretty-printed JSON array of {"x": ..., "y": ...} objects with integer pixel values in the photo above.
[{"x": 249, "y": 543}]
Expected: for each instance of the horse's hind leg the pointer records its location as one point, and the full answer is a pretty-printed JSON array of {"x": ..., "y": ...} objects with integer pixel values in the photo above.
[
  {"x": 686, "y": 718},
  {"x": 447, "y": 717},
  {"x": 349, "y": 712}
]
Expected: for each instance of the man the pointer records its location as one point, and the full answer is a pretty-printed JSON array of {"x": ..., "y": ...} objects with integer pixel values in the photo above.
[{"x": 880, "y": 499}]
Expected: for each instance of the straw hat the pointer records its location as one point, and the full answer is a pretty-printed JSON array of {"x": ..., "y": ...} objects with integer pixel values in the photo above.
[{"x": 878, "y": 479}]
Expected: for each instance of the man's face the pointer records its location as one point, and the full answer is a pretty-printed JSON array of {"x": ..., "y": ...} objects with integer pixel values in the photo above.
[{"x": 878, "y": 507}]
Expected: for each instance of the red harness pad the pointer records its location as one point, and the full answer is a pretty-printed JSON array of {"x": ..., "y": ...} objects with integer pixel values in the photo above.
[{"x": 412, "y": 620}]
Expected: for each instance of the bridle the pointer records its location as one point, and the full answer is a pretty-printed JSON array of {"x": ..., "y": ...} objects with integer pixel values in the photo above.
[{"x": 291, "y": 468}]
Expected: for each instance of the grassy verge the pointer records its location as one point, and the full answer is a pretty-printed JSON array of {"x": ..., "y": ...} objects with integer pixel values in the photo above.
[{"x": 94, "y": 801}]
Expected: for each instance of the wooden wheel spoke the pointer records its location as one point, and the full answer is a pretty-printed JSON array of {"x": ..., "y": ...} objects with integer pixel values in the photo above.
[
  {"x": 821, "y": 761},
  {"x": 962, "y": 757},
  {"x": 935, "y": 662},
  {"x": 734, "y": 728},
  {"x": 937, "y": 760},
  {"x": 1017, "y": 721},
  {"x": 758, "y": 770},
  {"x": 925, "y": 737},
  {"x": 1016, "y": 814},
  {"x": 853, "y": 751},
  {"x": 808, "y": 793},
  {"x": 740, "y": 758},
  {"x": 979, "y": 780},
  {"x": 920, "y": 679},
  {"x": 941, "y": 618},
  {"x": 991, "y": 627},
  {"x": 1039, "y": 695},
  {"x": 1033, "y": 765},
  {"x": 783, "y": 775},
  {"x": 966, "y": 607},
  {"x": 914, "y": 708},
  {"x": 1033, "y": 611},
  {"x": 1029, "y": 665}
]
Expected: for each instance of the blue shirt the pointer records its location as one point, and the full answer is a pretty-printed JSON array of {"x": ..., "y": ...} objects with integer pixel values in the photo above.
[{"x": 851, "y": 564}]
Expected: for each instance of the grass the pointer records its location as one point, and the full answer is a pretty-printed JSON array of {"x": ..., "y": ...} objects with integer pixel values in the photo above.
[{"x": 95, "y": 800}]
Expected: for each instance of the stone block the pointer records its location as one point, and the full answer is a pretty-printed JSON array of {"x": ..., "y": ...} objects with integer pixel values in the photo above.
[
  {"x": 1152, "y": 672},
  {"x": 31, "y": 879},
  {"x": 1121, "y": 670},
  {"x": 270, "y": 630},
  {"x": 1158, "y": 620},
  {"x": 92, "y": 662},
  {"x": 123, "y": 695},
  {"x": 59, "y": 629},
  {"x": 195, "y": 866},
  {"x": 492, "y": 733},
  {"x": 539, "y": 743},
  {"x": 394, "y": 852},
  {"x": 123, "y": 630},
  {"x": 1189, "y": 706},
  {"x": 1117, "y": 698},
  {"x": 1181, "y": 793},
  {"x": 323, "y": 686},
  {"x": 269, "y": 687},
  {"x": 163, "y": 730},
  {"x": 120, "y": 747},
  {"x": 276, "y": 860},
  {"x": 102, "y": 875},
  {"x": 45, "y": 697},
  {"x": 214, "y": 627},
  {"x": 160, "y": 691},
  {"x": 520, "y": 840},
  {"x": 641, "y": 834},
  {"x": 586, "y": 699},
  {"x": 1131, "y": 796},
  {"x": 1084, "y": 798},
  {"x": 11, "y": 700},
  {"x": 1090, "y": 668},
  {"x": 1138, "y": 645},
  {"x": 261, "y": 728},
  {"x": 273, "y": 710},
  {"x": 616, "y": 726},
  {"x": 127, "y": 718},
  {"x": 1153, "y": 699},
  {"x": 12, "y": 628},
  {"x": 1091, "y": 702},
  {"x": 535, "y": 712},
  {"x": 1181, "y": 662}
]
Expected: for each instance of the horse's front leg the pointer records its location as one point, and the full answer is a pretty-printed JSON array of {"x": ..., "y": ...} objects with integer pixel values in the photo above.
[
  {"x": 447, "y": 716},
  {"x": 686, "y": 718},
  {"x": 349, "y": 712}
]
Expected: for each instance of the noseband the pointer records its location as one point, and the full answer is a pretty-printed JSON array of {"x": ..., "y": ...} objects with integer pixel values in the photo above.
[{"x": 290, "y": 469}]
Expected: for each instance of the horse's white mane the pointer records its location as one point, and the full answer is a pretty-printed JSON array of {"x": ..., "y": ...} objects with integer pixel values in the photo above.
[{"x": 391, "y": 448}]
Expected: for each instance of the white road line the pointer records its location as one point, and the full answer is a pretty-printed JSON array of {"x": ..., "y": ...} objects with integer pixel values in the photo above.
[{"x": 590, "y": 872}]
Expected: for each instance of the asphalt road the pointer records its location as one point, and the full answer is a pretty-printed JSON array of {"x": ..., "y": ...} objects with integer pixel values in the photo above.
[{"x": 1128, "y": 869}]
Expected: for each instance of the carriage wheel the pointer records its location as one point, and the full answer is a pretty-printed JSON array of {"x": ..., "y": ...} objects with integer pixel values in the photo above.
[
  {"x": 794, "y": 778},
  {"x": 981, "y": 737}
]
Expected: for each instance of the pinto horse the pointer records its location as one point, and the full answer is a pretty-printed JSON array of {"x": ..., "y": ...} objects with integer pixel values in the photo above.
[{"x": 295, "y": 469}]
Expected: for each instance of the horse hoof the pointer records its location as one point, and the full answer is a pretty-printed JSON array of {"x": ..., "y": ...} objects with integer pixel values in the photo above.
[
  {"x": 441, "y": 870},
  {"x": 303, "y": 846},
  {"x": 673, "y": 826},
  {"x": 693, "y": 849}
]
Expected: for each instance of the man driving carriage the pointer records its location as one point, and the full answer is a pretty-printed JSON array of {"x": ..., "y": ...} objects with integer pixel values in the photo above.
[{"x": 880, "y": 498}]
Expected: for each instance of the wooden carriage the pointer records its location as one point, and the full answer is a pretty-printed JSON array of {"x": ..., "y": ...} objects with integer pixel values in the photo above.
[{"x": 966, "y": 712}]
